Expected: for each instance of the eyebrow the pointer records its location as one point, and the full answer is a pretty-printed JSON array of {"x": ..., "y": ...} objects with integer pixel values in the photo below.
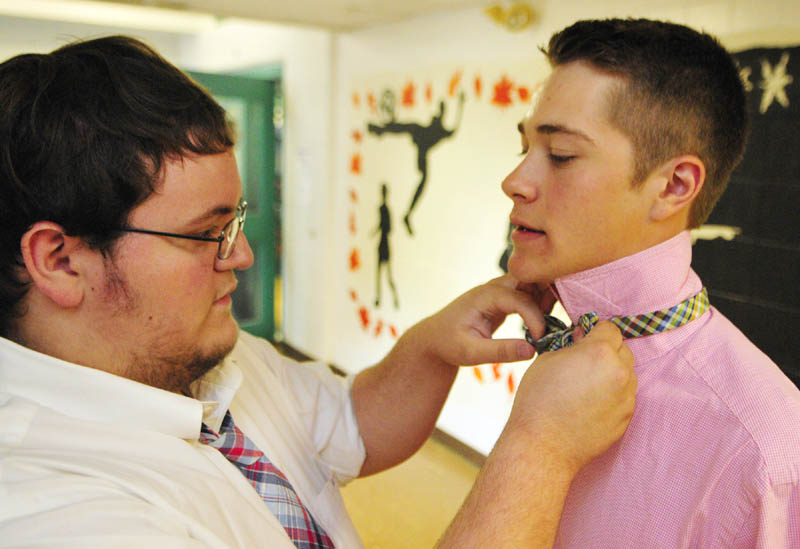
[
  {"x": 212, "y": 213},
  {"x": 550, "y": 129}
]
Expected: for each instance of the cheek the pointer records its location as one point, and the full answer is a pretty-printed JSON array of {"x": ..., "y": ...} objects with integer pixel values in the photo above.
[
  {"x": 585, "y": 225},
  {"x": 193, "y": 288},
  {"x": 180, "y": 287},
  {"x": 572, "y": 213}
]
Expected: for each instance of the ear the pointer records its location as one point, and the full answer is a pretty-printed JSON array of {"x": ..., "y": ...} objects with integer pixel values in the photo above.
[
  {"x": 49, "y": 257},
  {"x": 680, "y": 180}
]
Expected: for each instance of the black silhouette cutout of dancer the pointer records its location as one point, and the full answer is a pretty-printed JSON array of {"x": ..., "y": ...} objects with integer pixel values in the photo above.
[
  {"x": 424, "y": 138},
  {"x": 384, "y": 227}
]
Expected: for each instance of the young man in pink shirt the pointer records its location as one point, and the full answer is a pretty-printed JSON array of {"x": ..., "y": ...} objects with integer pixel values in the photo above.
[{"x": 629, "y": 144}]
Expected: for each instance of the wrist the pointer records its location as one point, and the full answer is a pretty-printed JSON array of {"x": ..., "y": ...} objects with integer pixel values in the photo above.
[
  {"x": 545, "y": 447},
  {"x": 423, "y": 340},
  {"x": 517, "y": 498}
]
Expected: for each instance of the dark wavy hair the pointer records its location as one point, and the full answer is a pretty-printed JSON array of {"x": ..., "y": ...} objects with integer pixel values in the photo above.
[
  {"x": 84, "y": 133},
  {"x": 683, "y": 95}
]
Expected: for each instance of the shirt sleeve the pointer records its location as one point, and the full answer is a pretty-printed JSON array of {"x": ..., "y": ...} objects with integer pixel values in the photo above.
[
  {"x": 327, "y": 411},
  {"x": 323, "y": 404},
  {"x": 774, "y": 522}
]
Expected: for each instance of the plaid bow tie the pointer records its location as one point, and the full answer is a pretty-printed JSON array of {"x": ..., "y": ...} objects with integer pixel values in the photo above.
[
  {"x": 270, "y": 483},
  {"x": 558, "y": 335}
]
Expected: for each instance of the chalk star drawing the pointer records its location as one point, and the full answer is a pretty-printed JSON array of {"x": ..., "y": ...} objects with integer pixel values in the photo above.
[
  {"x": 712, "y": 232},
  {"x": 745, "y": 73},
  {"x": 774, "y": 83}
]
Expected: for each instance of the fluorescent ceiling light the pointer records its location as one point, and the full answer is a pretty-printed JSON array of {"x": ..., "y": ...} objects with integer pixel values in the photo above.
[{"x": 109, "y": 14}]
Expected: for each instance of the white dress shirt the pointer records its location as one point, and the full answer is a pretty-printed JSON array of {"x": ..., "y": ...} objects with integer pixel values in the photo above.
[{"x": 90, "y": 459}]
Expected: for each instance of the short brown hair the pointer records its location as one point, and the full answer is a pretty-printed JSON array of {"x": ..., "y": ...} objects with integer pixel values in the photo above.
[{"x": 683, "y": 95}]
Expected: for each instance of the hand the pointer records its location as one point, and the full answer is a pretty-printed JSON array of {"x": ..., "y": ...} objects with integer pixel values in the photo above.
[
  {"x": 577, "y": 401},
  {"x": 424, "y": 363},
  {"x": 571, "y": 405},
  {"x": 461, "y": 333},
  {"x": 545, "y": 299}
]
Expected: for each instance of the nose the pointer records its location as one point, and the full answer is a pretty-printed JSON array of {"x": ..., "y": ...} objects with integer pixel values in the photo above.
[
  {"x": 241, "y": 258},
  {"x": 520, "y": 185}
]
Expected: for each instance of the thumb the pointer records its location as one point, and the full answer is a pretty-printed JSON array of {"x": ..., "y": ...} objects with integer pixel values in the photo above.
[
  {"x": 499, "y": 350},
  {"x": 603, "y": 331}
]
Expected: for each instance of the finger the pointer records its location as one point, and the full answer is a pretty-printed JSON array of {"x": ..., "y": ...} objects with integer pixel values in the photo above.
[
  {"x": 547, "y": 300},
  {"x": 633, "y": 384},
  {"x": 626, "y": 355},
  {"x": 527, "y": 287},
  {"x": 542, "y": 293},
  {"x": 627, "y": 358},
  {"x": 487, "y": 351},
  {"x": 507, "y": 281},
  {"x": 624, "y": 373},
  {"x": 513, "y": 301},
  {"x": 608, "y": 332}
]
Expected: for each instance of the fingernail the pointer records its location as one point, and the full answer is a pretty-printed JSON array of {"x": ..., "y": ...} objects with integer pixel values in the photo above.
[{"x": 525, "y": 351}]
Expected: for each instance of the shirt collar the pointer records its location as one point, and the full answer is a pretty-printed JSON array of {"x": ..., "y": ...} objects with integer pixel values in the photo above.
[
  {"x": 656, "y": 278},
  {"x": 95, "y": 395},
  {"x": 216, "y": 390}
]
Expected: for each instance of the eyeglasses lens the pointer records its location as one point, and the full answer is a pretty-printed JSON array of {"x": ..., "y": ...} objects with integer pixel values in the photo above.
[{"x": 231, "y": 233}]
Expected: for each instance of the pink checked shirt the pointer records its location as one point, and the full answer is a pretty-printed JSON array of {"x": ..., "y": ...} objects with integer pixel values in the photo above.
[{"x": 712, "y": 454}]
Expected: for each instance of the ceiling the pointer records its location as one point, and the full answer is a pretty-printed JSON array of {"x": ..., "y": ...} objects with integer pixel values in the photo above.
[{"x": 338, "y": 15}]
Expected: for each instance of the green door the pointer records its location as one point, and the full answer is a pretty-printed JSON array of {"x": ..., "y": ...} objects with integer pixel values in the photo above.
[{"x": 249, "y": 103}]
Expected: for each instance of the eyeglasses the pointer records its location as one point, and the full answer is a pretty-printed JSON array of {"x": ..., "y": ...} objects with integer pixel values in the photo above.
[{"x": 226, "y": 239}]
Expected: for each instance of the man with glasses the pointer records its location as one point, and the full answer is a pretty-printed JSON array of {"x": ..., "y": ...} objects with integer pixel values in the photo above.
[{"x": 132, "y": 410}]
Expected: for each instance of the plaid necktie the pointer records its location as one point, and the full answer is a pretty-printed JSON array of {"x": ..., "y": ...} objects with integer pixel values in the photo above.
[
  {"x": 558, "y": 335},
  {"x": 270, "y": 483}
]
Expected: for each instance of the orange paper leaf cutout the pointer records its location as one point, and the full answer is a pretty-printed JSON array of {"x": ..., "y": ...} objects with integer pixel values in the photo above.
[
  {"x": 455, "y": 80},
  {"x": 502, "y": 92},
  {"x": 355, "y": 260},
  {"x": 355, "y": 163},
  {"x": 408, "y": 95}
]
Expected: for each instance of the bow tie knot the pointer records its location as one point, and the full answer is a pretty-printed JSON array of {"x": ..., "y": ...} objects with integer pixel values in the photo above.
[{"x": 558, "y": 335}]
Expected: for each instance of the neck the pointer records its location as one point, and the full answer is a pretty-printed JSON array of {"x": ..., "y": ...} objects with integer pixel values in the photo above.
[
  {"x": 655, "y": 278},
  {"x": 74, "y": 336},
  {"x": 63, "y": 334}
]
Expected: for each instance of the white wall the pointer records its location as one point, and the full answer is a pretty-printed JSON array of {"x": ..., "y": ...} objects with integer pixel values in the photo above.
[{"x": 18, "y": 35}]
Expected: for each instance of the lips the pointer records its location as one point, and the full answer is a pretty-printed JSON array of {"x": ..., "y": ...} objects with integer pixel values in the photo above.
[
  {"x": 227, "y": 293},
  {"x": 525, "y": 228},
  {"x": 224, "y": 300}
]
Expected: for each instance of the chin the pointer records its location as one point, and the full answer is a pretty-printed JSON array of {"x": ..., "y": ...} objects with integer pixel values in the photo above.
[
  {"x": 213, "y": 352},
  {"x": 227, "y": 335},
  {"x": 524, "y": 271}
]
